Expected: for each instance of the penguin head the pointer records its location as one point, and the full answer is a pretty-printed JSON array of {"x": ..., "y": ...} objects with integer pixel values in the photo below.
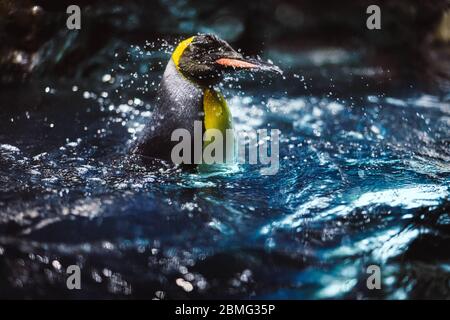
[{"x": 205, "y": 58}]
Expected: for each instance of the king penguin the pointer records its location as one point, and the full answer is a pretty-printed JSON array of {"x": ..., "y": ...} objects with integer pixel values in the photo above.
[{"x": 188, "y": 93}]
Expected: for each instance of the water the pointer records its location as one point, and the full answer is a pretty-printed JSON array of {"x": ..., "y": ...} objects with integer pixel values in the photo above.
[{"x": 364, "y": 179}]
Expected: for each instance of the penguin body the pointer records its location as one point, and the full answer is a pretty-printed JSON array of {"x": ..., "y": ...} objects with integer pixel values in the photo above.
[
  {"x": 187, "y": 94},
  {"x": 179, "y": 105}
]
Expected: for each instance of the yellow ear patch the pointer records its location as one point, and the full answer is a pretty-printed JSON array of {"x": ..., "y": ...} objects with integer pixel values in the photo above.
[{"x": 176, "y": 55}]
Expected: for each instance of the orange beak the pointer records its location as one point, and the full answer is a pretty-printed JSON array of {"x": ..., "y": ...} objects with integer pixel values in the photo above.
[
  {"x": 249, "y": 64},
  {"x": 226, "y": 62}
]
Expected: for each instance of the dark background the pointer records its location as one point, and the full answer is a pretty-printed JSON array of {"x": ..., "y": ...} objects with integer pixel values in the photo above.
[{"x": 412, "y": 44}]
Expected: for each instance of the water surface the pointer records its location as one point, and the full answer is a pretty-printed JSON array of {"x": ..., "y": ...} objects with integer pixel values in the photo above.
[{"x": 364, "y": 179}]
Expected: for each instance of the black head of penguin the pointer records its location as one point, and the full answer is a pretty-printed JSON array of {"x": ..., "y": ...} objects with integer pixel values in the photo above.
[{"x": 207, "y": 57}]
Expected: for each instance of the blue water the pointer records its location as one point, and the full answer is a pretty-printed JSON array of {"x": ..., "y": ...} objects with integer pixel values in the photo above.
[{"x": 364, "y": 179}]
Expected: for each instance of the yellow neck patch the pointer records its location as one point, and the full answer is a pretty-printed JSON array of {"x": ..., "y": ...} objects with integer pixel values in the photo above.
[
  {"x": 217, "y": 114},
  {"x": 176, "y": 55}
]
